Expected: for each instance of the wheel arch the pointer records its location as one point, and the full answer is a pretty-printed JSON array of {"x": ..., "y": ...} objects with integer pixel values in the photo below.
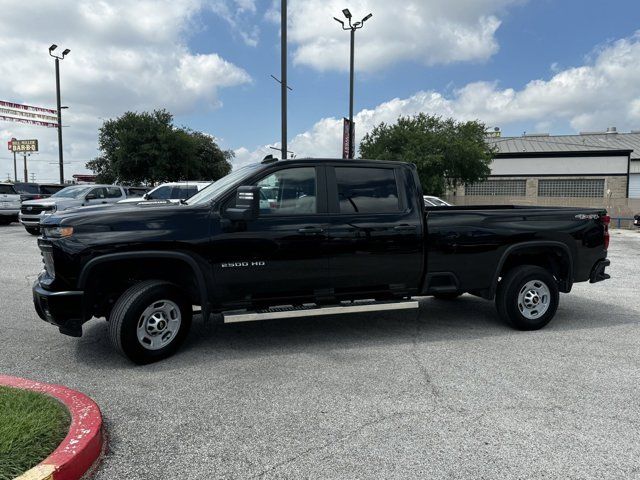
[
  {"x": 184, "y": 263},
  {"x": 532, "y": 253}
]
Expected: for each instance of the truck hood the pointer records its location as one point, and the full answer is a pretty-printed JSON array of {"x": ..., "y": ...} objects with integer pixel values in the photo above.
[
  {"x": 133, "y": 223},
  {"x": 60, "y": 203}
]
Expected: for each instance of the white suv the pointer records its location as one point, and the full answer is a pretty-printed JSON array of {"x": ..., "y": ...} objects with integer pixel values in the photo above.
[
  {"x": 172, "y": 192},
  {"x": 9, "y": 204}
]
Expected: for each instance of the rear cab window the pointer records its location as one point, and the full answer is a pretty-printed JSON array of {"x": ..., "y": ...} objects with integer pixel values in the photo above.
[{"x": 367, "y": 190}]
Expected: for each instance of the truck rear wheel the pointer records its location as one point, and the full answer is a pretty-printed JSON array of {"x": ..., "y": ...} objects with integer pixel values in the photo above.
[
  {"x": 149, "y": 321},
  {"x": 527, "y": 297}
]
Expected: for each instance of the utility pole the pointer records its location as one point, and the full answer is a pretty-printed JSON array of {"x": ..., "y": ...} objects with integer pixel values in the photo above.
[
  {"x": 26, "y": 176},
  {"x": 353, "y": 27},
  {"x": 15, "y": 167},
  {"x": 57, "y": 60},
  {"x": 283, "y": 74}
]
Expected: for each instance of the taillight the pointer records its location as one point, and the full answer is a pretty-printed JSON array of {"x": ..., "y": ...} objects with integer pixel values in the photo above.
[{"x": 606, "y": 220}]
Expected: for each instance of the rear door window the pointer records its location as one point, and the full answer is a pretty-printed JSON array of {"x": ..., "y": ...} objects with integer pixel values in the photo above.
[
  {"x": 113, "y": 192},
  {"x": 367, "y": 190},
  {"x": 98, "y": 192}
]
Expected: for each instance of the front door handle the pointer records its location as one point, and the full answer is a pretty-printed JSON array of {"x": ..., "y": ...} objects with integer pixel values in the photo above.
[
  {"x": 310, "y": 230},
  {"x": 405, "y": 228}
]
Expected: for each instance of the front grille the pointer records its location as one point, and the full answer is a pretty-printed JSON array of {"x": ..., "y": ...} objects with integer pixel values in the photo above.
[{"x": 35, "y": 209}]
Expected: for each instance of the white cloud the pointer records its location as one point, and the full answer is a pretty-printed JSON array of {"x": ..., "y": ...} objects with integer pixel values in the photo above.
[
  {"x": 124, "y": 56},
  {"x": 602, "y": 93},
  {"x": 426, "y": 31},
  {"x": 239, "y": 15}
]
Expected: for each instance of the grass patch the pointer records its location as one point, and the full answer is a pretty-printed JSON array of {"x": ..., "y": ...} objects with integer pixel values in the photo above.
[{"x": 32, "y": 425}]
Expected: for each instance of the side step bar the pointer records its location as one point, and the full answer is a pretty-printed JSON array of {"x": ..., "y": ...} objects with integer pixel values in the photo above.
[{"x": 312, "y": 310}]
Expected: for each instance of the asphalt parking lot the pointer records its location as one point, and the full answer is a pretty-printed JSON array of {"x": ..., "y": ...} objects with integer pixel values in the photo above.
[{"x": 449, "y": 392}]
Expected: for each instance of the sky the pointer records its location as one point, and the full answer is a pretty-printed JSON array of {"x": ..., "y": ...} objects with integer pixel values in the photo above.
[{"x": 557, "y": 66}]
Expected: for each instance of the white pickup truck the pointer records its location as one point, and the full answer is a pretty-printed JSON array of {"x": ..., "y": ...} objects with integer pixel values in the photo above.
[
  {"x": 33, "y": 211},
  {"x": 9, "y": 204}
]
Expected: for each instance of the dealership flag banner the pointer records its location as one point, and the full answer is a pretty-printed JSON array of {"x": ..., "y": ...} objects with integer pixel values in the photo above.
[
  {"x": 347, "y": 148},
  {"x": 29, "y": 114}
]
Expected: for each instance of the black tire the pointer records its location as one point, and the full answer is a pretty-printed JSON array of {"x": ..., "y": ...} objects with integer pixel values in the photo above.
[
  {"x": 514, "y": 311},
  {"x": 126, "y": 317},
  {"x": 33, "y": 230},
  {"x": 5, "y": 221},
  {"x": 447, "y": 296}
]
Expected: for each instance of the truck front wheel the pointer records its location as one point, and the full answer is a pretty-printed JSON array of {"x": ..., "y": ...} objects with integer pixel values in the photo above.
[
  {"x": 527, "y": 297},
  {"x": 149, "y": 321}
]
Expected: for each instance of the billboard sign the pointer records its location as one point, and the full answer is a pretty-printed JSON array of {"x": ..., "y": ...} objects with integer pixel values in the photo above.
[{"x": 23, "y": 146}]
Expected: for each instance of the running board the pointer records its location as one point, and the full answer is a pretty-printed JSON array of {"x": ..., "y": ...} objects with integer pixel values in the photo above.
[{"x": 313, "y": 310}]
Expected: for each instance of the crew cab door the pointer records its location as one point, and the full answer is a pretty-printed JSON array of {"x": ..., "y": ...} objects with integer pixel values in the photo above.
[
  {"x": 281, "y": 254},
  {"x": 376, "y": 230}
]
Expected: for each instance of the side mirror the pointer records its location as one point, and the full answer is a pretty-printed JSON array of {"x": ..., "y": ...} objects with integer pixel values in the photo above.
[
  {"x": 91, "y": 196},
  {"x": 146, "y": 196},
  {"x": 247, "y": 204}
]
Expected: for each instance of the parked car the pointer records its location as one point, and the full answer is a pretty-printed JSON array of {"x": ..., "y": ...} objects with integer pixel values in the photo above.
[
  {"x": 636, "y": 220},
  {"x": 33, "y": 211},
  {"x": 9, "y": 204},
  {"x": 36, "y": 191},
  {"x": 136, "y": 192},
  {"x": 341, "y": 236},
  {"x": 430, "y": 201},
  {"x": 172, "y": 192}
]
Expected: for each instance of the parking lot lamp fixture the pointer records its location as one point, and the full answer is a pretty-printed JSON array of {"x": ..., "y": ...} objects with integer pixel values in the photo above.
[
  {"x": 57, "y": 58},
  {"x": 352, "y": 27}
]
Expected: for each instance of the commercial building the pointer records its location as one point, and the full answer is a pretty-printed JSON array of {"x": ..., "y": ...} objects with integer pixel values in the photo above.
[{"x": 589, "y": 169}]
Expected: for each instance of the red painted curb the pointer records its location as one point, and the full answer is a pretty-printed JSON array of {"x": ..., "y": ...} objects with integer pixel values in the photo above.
[{"x": 83, "y": 444}]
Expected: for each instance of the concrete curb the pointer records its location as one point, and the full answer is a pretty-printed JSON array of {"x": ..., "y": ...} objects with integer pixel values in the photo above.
[{"x": 82, "y": 445}]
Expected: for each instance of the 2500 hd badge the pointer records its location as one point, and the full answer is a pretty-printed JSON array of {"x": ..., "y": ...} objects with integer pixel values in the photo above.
[{"x": 242, "y": 264}]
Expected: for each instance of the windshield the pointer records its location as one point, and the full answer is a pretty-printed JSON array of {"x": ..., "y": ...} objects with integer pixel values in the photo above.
[
  {"x": 213, "y": 191},
  {"x": 71, "y": 192}
]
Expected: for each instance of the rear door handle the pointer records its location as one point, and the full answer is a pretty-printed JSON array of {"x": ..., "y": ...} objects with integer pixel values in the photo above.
[
  {"x": 310, "y": 230},
  {"x": 405, "y": 228}
]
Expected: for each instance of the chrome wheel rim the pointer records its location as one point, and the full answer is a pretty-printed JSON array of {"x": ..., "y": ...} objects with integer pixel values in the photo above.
[
  {"x": 159, "y": 324},
  {"x": 534, "y": 299}
]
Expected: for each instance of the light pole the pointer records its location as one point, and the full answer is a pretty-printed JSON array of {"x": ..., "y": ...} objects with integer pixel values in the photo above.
[
  {"x": 283, "y": 75},
  {"x": 59, "y": 109},
  {"x": 352, "y": 27}
]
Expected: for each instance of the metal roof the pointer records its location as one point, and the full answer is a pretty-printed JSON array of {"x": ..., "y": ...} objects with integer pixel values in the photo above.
[{"x": 600, "y": 141}]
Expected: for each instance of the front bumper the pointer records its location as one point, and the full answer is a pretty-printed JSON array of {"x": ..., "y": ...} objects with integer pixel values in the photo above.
[
  {"x": 33, "y": 220},
  {"x": 597, "y": 272},
  {"x": 63, "y": 309}
]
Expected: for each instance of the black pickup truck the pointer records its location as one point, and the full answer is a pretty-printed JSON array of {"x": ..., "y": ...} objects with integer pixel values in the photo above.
[{"x": 305, "y": 238}]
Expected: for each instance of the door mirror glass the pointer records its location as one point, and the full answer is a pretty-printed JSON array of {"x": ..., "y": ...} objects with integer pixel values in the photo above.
[{"x": 247, "y": 204}]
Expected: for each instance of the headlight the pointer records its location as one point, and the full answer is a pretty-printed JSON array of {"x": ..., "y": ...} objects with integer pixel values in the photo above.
[{"x": 58, "y": 232}]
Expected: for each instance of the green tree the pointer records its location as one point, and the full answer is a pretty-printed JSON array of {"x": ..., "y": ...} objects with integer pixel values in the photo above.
[
  {"x": 147, "y": 148},
  {"x": 447, "y": 153}
]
